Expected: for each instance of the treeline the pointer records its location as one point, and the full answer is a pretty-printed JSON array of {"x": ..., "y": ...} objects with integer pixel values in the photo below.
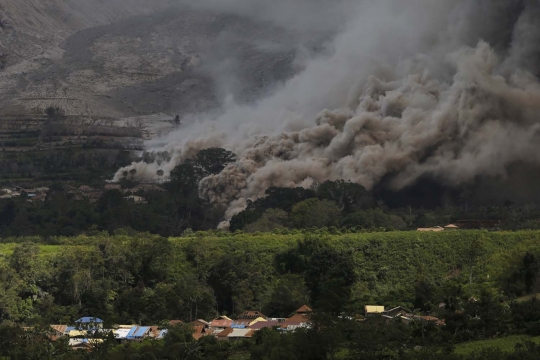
[
  {"x": 339, "y": 206},
  {"x": 472, "y": 280}
]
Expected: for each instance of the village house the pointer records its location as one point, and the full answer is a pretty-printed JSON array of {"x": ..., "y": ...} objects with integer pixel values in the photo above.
[
  {"x": 200, "y": 331},
  {"x": 138, "y": 333},
  {"x": 201, "y": 322},
  {"x": 85, "y": 188},
  {"x": 144, "y": 188},
  {"x": 29, "y": 191},
  {"x": 57, "y": 331},
  {"x": 121, "y": 333},
  {"x": 88, "y": 323},
  {"x": 392, "y": 313},
  {"x": 266, "y": 324},
  {"x": 221, "y": 323},
  {"x": 136, "y": 199},
  {"x": 407, "y": 319},
  {"x": 36, "y": 197},
  {"x": 248, "y": 318},
  {"x": 373, "y": 310},
  {"x": 223, "y": 335},
  {"x": 234, "y": 334},
  {"x": 84, "y": 344},
  {"x": 112, "y": 187},
  {"x": 431, "y": 229},
  {"x": 451, "y": 227},
  {"x": 301, "y": 315}
]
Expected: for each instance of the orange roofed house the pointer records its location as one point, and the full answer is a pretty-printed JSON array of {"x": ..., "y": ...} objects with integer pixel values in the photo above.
[
  {"x": 248, "y": 318},
  {"x": 221, "y": 323},
  {"x": 301, "y": 315}
]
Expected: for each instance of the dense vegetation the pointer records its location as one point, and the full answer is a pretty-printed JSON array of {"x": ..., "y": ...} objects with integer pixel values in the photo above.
[
  {"x": 146, "y": 279},
  {"x": 333, "y": 246},
  {"x": 334, "y": 204}
]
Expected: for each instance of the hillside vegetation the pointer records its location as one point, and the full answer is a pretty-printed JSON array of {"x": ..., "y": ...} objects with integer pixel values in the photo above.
[
  {"x": 468, "y": 279},
  {"x": 240, "y": 272}
]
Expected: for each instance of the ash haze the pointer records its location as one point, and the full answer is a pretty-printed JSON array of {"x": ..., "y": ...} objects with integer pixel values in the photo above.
[{"x": 406, "y": 89}]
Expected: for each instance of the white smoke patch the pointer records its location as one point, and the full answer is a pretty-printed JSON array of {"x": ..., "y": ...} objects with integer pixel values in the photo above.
[{"x": 404, "y": 94}]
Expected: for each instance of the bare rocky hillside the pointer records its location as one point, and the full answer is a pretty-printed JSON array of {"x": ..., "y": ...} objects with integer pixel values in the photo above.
[
  {"x": 130, "y": 62},
  {"x": 133, "y": 57}
]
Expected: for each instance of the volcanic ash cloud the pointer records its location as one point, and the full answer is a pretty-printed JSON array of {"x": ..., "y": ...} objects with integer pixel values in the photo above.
[
  {"x": 401, "y": 96},
  {"x": 476, "y": 125}
]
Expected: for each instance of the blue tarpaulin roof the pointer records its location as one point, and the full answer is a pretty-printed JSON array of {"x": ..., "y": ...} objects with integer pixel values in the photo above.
[
  {"x": 131, "y": 332},
  {"x": 137, "y": 332},
  {"x": 141, "y": 331},
  {"x": 88, "y": 319},
  {"x": 239, "y": 325}
]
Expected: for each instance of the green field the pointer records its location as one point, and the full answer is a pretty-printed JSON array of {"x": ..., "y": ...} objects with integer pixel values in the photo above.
[
  {"x": 44, "y": 250},
  {"x": 506, "y": 344}
]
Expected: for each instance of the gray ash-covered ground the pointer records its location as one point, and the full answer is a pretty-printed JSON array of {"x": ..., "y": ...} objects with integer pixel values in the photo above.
[{"x": 176, "y": 61}]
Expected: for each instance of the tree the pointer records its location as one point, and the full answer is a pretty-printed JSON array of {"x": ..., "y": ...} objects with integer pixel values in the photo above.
[
  {"x": 26, "y": 262},
  {"x": 160, "y": 174},
  {"x": 314, "y": 213},
  {"x": 213, "y": 161},
  {"x": 374, "y": 218},
  {"x": 275, "y": 198},
  {"x": 423, "y": 295},
  {"x": 192, "y": 171},
  {"x": 473, "y": 251},
  {"x": 329, "y": 273},
  {"x": 347, "y": 195},
  {"x": 288, "y": 294},
  {"x": 271, "y": 220},
  {"x": 329, "y": 278}
]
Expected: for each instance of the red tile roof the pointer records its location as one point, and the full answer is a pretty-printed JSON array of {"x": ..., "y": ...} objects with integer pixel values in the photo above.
[
  {"x": 201, "y": 322},
  {"x": 297, "y": 318},
  {"x": 264, "y": 324},
  {"x": 221, "y": 323},
  {"x": 304, "y": 309}
]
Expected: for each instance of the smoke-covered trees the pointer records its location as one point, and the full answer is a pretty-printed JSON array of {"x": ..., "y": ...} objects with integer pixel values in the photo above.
[
  {"x": 347, "y": 195},
  {"x": 186, "y": 176}
]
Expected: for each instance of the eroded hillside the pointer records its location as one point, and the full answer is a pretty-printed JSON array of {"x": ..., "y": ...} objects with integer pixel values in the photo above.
[{"x": 128, "y": 63}]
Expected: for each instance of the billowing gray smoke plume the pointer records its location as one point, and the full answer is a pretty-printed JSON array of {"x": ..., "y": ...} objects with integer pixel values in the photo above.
[{"x": 446, "y": 88}]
